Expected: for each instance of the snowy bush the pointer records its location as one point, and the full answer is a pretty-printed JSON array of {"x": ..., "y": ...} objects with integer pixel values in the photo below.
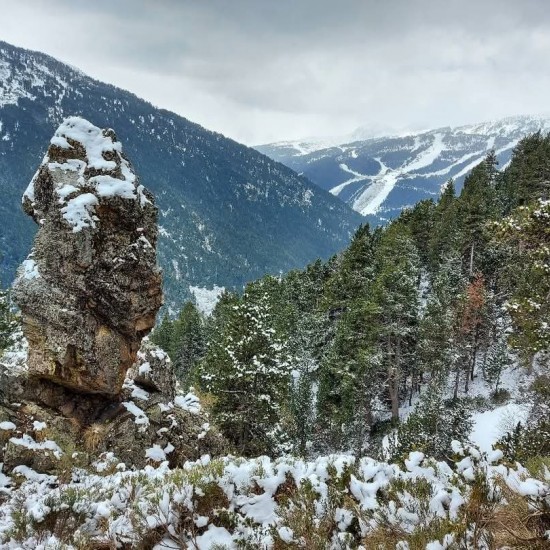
[{"x": 332, "y": 502}]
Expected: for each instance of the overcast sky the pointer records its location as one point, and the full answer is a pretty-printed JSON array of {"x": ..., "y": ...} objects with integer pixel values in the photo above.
[{"x": 268, "y": 70}]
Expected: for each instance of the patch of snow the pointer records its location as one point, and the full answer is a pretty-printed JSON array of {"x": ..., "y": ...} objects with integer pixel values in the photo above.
[
  {"x": 28, "y": 442},
  {"x": 489, "y": 426},
  {"x": 205, "y": 298},
  {"x": 145, "y": 368},
  {"x": 28, "y": 270},
  {"x": 136, "y": 391},
  {"x": 356, "y": 177},
  {"x": 189, "y": 402},
  {"x": 79, "y": 211},
  {"x": 107, "y": 186},
  {"x": 91, "y": 137},
  {"x": 214, "y": 537},
  {"x": 155, "y": 453},
  {"x": 371, "y": 198},
  {"x": 176, "y": 267},
  {"x": 7, "y": 426},
  {"x": 427, "y": 157},
  {"x": 140, "y": 417}
]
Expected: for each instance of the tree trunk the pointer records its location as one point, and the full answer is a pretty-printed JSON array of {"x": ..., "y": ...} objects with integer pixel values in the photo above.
[
  {"x": 367, "y": 427},
  {"x": 471, "y": 259},
  {"x": 467, "y": 383},
  {"x": 394, "y": 394},
  {"x": 474, "y": 356},
  {"x": 457, "y": 380}
]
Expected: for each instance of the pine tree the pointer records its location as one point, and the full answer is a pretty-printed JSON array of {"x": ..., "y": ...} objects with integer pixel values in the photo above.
[
  {"x": 526, "y": 281},
  {"x": 496, "y": 361},
  {"x": 302, "y": 395},
  {"x": 306, "y": 349},
  {"x": 477, "y": 205},
  {"x": 437, "y": 347},
  {"x": 420, "y": 220},
  {"x": 527, "y": 178},
  {"x": 216, "y": 324},
  {"x": 394, "y": 307},
  {"x": 444, "y": 237},
  {"x": 247, "y": 370},
  {"x": 354, "y": 269},
  {"x": 532, "y": 440},
  {"x": 473, "y": 328},
  {"x": 187, "y": 341},
  {"x": 432, "y": 426},
  {"x": 349, "y": 380},
  {"x": 162, "y": 336},
  {"x": 373, "y": 349}
]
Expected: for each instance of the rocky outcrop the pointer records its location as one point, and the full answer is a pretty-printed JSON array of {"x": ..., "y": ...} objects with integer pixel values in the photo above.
[
  {"x": 87, "y": 384},
  {"x": 50, "y": 428},
  {"x": 91, "y": 288}
]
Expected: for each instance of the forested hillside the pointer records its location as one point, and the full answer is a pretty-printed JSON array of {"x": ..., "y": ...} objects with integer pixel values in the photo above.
[
  {"x": 451, "y": 294},
  {"x": 227, "y": 213}
]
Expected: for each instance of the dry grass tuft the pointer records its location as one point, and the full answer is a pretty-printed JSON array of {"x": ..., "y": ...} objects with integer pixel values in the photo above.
[
  {"x": 519, "y": 522},
  {"x": 94, "y": 435}
]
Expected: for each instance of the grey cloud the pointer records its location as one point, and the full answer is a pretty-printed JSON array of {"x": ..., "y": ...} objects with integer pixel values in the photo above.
[{"x": 261, "y": 70}]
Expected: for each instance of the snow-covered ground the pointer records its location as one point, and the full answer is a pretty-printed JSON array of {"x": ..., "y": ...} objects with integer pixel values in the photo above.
[
  {"x": 490, "y": 426},
  {"x": 178, "y": 506},
  {"x": 206, "y": 298}
]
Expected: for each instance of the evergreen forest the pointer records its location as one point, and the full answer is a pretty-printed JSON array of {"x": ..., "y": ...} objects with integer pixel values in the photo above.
[{"x": 328, "y": 359}]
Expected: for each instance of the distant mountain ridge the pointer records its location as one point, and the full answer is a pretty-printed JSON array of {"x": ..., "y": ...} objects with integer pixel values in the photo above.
[
  {"x": 228, "y": 214},
  {"x": 378, "y": 177}
]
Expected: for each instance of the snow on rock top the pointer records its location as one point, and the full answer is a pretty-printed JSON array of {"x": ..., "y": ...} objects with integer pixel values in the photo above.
[
  {"x": 95, "y": 141},
  {"x": 86, "y": 165}
]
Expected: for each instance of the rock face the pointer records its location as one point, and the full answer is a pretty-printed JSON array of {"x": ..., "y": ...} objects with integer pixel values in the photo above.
[
  {"x": 51, "y": 429},
  {"x": 91, "y": 288},
  {"x": 86, "y": 386}
]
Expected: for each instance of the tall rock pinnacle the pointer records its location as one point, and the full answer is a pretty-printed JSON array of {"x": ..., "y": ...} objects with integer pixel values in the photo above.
[{"x": 90, "y": 289}]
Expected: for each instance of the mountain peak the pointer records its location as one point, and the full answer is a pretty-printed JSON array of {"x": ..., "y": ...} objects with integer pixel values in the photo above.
[{"x": 380, "y": 176}]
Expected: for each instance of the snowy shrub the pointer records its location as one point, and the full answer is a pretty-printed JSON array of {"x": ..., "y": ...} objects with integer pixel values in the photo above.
[
  {"x": 332, "y": 502},
  {"x": 432, "y": 426}
]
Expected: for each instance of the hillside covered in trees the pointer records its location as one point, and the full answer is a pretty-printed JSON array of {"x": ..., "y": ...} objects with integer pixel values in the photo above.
[{"x": 324, "y": 359}]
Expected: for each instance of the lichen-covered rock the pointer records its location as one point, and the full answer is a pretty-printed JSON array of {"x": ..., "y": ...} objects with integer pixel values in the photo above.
[
  {"x": 91, "y": 288},
  {"x": 51, "y": 428},
  {"x": 153, "y": 371},
  {"x": 88, "y": 384},
  {"x": 149, "y": 432}
]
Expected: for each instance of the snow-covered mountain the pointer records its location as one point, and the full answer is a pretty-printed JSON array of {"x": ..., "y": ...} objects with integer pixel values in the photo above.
[
  {"x": 380, "y": 176},
  {"x": 228, "y": 214}
]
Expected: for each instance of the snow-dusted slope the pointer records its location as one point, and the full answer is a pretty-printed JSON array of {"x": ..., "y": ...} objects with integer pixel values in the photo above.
[
  {"x": 227, "y": 213},
  {"x": 381, "y": 176}
]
